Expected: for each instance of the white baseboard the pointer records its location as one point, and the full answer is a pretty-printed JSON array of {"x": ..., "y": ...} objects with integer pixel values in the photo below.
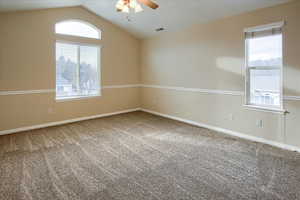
[
  {"x": 27, "y": 128},
  {"x": 228, "y": 132}
]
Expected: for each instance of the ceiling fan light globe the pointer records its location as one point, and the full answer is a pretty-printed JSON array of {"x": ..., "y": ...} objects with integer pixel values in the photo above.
[
  {"x": 119, "y": 7},
  {"x": 133, "y": 4},
  {"x": 120, "y": 2},
  {"x": 138, "y": 8},
  {"x": 125, "y": 9}
]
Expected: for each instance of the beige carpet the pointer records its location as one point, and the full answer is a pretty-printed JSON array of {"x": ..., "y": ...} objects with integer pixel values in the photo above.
[{"x": 141, "y": 156}]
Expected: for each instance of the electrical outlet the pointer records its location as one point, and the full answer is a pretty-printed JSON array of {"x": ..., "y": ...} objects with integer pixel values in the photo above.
[
  {"x": 259, "y": 123},
  {"x": 230, "y": 117}
]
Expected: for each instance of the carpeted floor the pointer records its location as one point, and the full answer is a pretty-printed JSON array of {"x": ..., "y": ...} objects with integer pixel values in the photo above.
[{"x": 141, "y": 156}]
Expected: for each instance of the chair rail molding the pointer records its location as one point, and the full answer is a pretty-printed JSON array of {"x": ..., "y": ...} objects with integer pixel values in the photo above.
[
  {"x": 184, "y": 89},
  {"x": 210, "y": 91},
  {"x": 40, "y": 91}
]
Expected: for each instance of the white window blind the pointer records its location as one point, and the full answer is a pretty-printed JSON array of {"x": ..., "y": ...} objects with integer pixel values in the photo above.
[{"x": 264, "y": 60}]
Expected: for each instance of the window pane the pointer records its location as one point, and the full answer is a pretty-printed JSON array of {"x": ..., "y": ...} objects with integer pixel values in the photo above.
[
  {"x": 89, "y": 74},
  {"x": 265, "y": 87},
  {"x": 74, "y": 79},
  {"x": 265, "y": 51},
  {"x": 77, "y": 29},
  {"x": 66, "y": 69}
]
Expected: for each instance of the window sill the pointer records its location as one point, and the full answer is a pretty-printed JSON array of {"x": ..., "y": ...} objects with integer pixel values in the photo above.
[
  {"x": 266, "y": 109},
  {"x": 63, "y": 99}
]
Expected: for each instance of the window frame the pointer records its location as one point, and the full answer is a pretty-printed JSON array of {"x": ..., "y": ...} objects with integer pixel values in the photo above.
[
  {"x": 247, "y": 102},
  {"x": 77, "y": 36},
  {"x": 79, "y": 44}
]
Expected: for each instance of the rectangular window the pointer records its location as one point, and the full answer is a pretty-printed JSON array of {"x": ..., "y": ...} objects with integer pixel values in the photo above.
[
  {"x": 77, "y": 70},
  {"x": 264, "y": 66}
]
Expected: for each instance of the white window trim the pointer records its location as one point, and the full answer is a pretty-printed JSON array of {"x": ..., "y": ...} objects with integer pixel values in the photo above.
[
  {"x": 266, "y": 109},
  {"x": 247, "y": 103},
  {"x": 70, "y": 98},
  {"x": 265, "y": 27}
]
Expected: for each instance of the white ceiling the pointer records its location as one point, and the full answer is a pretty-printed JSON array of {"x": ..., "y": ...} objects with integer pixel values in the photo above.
[{"x": 172, "y": 14}]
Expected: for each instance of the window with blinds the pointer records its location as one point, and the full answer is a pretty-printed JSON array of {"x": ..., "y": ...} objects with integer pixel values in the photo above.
[{"x": 264, "y": 62}]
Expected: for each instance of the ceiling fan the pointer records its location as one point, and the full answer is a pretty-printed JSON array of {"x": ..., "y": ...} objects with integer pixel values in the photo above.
[{"x": 127, "y": 5}]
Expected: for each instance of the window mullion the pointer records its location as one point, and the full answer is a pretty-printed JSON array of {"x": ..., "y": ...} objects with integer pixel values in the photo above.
[{"x": 78, "y": 69}]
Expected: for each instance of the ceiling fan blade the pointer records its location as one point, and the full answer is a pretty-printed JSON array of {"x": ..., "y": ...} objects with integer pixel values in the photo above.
[{"x": 149, "y": 3}]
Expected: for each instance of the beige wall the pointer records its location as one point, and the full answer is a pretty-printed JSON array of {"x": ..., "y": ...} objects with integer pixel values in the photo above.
[
  {"x": 27, "y": 62},
  {"x": 211, "y": 56}
]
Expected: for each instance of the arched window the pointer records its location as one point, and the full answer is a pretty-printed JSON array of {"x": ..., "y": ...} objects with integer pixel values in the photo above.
[
  {"x": 77, "y": 28},
  {"x": 77, "y": 64}
]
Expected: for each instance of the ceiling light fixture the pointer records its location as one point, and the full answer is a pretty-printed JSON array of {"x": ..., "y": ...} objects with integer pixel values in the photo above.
[{"x": 127, "y": 5}]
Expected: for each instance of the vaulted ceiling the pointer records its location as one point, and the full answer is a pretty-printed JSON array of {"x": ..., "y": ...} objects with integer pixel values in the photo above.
[{"x": 172, "y": 14}]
